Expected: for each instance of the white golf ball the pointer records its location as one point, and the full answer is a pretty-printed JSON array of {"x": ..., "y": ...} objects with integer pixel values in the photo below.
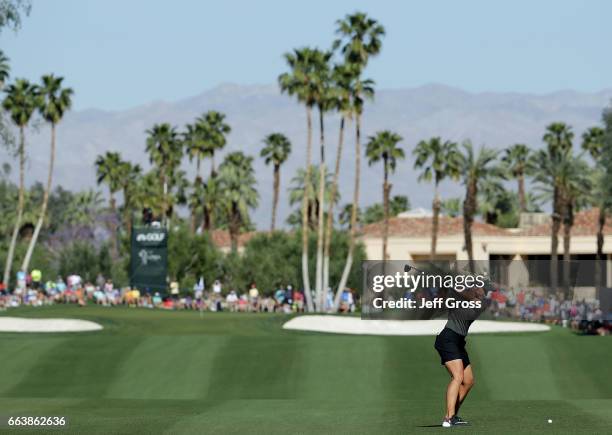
[{"x": 549, "y": 420}]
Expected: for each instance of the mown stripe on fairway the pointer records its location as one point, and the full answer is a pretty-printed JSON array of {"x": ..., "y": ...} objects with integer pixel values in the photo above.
[
  {"x": 254, "y": 367},
  {"x": 78, "y": 366},
  {"x": 509, "y": 367},
  {"x": 19, "y": 354},
  {"x": 581, "y": 365},
  {"x": 364, "y": 416},
  {"x": 168, "y": 367},
  {"x": 412, "y": 369},
  {"x": 339, "y": 367}
]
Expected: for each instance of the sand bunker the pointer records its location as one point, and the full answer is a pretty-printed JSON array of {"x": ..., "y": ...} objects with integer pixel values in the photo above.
[
  {"x": 20, "y": 324},
  {"x": 354, "y": 325}
]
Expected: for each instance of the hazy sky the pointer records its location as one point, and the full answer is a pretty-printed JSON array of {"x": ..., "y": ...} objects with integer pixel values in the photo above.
[{"x": 121, "y": 53}]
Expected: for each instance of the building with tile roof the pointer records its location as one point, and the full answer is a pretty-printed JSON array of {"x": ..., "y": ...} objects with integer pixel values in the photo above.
[{"x": 410, "y": 240}]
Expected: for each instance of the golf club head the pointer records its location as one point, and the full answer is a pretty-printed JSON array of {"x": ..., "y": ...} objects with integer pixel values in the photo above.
[{"x": 407, "y": 268}]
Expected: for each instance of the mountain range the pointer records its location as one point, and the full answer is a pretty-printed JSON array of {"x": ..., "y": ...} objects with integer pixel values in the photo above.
[{"x": 253, "y": 111}]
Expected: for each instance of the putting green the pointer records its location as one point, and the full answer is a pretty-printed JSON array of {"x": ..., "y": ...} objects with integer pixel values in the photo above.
[{"x": 176, "y": 372}]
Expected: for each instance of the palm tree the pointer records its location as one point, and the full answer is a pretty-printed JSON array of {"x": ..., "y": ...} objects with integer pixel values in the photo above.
[
  {"x": 517, "y": 160},
  {"x": 237, "y": 184},
  {"x": 575, "y": 187},
  {"x": 490, "y": 199},
  {"x": 547, "y": 181},
  {"x": 214, "y": 129},
  {"x": 477, "y": 168},
  {"x": 299, "y": 82},
  {"x": 593, "y": 143},
  {"x": 383, "y": 147},
  {"x": 299, "y": 189},
  {"x": 360, "y": 37},
  {"x": 108, "y": 171},
  {"x": 129, "y": 175},
  {"x": 210, "y": 203},
  {"x": 322, "y": 79},
  {"x": 569, "y": 178},
  {"x": 165, "y": 152},
  {"x": 558, "y": 137},
  {"x": 177, "y": 190},
  {"x": 21, "y": 101},
  {"x": 195, "y": 202},
  {"x": 376, "y": 212},
  {"x": 55, "y": 102},
  {"x": 84, "y": 208},
  {"x": 276, "y": 152},
  {"x": 343, "y": 78},
  {"x": 147, "y": 193},
  {"x": 344, "y": 217},
  {"x": 437, "y": 160},
  {"x": 195, "y": 146}
]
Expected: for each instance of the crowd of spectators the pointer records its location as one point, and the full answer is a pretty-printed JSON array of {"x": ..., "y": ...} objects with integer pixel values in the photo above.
[
  {"x": 532, "y": 305},
  {"x": 537, "y": 305},
  {"x": 32, "y": 291}
]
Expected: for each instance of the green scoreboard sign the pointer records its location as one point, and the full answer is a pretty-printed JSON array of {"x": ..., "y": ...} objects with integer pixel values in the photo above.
[{"x": 149, "y": 259}]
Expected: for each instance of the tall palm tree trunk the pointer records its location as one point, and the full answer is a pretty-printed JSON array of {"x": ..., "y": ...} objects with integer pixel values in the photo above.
[
  {"x": 127, "y": 213},
  {"x": 386, "y": 190},
  {"x": 206, "y": 226},
  {"x": 330, "y": 208},
  {"x": 554, "y": 259},
  {"x": 554, "y": 242},
  {"x": 43, "y": 211},
  {"x": 567, "y": 235},
  {"x": 469, "y": 209},
  {"x": 20, "y": 206},
  {"x": 320, "y": 224},
  {"x": 197, "y": 183},
  {"x": 351, "y": 247},
  {"x": 521, "y": 193},
  {"x": 275, "y": 198},
  {"x": 113, "y": 224},
  {"x": 305, "y": 271},
  {"x": 193, "y": 212},
  {"x": 164, "y": 190},
  {"x": 234, "y": 227},
  {"x": 210, "y": 218},
  {"x": 601, "y": 223},
  {"x": 435, "y": 224},
  {"x": 313, "y": 213}
]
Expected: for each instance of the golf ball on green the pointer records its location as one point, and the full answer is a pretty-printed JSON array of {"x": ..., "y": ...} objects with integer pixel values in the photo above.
[{"x": 549, "y": 420}]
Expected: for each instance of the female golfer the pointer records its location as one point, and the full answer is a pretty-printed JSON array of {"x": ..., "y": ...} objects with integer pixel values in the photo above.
[{"x": 450, "y": 344}]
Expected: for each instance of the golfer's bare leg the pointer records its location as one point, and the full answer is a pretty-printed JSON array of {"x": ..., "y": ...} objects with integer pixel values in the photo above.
[
  {"x": 466, "y": 386},
  {"x": 455, "y": 368}
]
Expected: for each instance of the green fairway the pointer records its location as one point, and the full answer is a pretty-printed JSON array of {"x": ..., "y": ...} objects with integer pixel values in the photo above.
[{"x": 175, "y": 372}]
